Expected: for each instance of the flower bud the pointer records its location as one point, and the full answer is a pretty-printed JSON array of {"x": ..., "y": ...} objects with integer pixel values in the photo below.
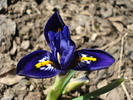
[{"x": 75, "y": 84}]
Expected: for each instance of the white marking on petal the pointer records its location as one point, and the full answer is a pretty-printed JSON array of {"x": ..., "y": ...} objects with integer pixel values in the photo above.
[
  {"x": 42, "y": 68},
  {"x": 48, "y": 67},
  {"x": 88, "y": 62},
  {"x": 83, "y": 63},
  {"x": 83, "y": 55},
  {"x": 45, "y": 58}
]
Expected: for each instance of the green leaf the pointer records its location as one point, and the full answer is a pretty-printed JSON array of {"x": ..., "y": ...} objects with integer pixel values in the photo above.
[
  {"x": 67, "y": 79},
  {"x": 59, "y": 85},
  {"x": 100, "y": 91}
]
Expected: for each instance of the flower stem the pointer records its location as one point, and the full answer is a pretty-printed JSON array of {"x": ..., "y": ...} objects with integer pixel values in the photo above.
[{"x": 59, "y": 85}]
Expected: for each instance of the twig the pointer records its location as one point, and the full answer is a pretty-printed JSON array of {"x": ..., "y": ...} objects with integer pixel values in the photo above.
[
  {"x": 33, "y": 6},
  {"x": 125, "y": 90},
  {"x": 121, "y": 54},
  {"x": 112, "y": 43}
]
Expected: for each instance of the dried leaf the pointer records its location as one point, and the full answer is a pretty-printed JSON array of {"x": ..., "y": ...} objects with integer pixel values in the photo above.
[{"x": 119, "y": 26}]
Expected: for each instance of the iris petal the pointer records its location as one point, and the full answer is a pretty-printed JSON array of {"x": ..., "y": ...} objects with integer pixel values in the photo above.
[
  {"x": 53, "y": 47},
  {"x": 55, "y": 24},
  {"x": 66, "y": 48},
  {"x": 38, "y": 64},
  {"x": 61, "y": 43},
  {"x": 92, "y": 59}
]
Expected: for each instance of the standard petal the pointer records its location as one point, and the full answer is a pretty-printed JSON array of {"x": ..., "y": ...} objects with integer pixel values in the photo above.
[
  {"x": 53, "y": 47},
  {"x": 64, "y": 41},
  {"x": 38, "y": 64},
  {"x": 65, "y": 47},
  {"x": 55, "y": 24},
  {"x": 62, "y": 44},
  {"x": 92, "y": 59},
  {"x": 52, "y": 37}
]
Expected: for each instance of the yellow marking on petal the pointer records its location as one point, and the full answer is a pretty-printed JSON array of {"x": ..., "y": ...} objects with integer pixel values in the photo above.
[
  {"x": 44, "y": 63},
  {"x": 87, "y": 59},
  {"x": 84, "y": 59},
  {"x": 59, "y": 29}
]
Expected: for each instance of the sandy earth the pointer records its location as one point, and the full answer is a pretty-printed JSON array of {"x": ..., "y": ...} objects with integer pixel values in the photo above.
[{"x": 103, "y": 24}]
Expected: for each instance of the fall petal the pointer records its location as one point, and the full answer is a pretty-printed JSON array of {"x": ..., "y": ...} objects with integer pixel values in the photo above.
[
  {"x": 92, "y": 59},
  {"x": 37, "y": 64}
]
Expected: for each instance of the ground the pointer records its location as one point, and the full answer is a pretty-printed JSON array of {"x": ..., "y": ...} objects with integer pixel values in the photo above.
[{"x": 99, "y": 24}]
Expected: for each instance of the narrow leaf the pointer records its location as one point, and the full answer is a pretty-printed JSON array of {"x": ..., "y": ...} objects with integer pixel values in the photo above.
[
  {"x": 67, "y": 79},
  {"x": 100, "y": 91}
]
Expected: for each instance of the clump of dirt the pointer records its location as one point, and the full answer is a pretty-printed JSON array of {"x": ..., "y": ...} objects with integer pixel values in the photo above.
[{"x": 100, "y": 24}]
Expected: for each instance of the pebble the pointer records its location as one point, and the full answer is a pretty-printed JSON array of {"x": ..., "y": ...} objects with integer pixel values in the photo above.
[
  {"x": 7, "y": 31},
  {"x": 6, "y": 64},
  {"x": 14, "y": 48},
  {"x": 106, "y": 10},
  {"x": 10, "y": 79},
  {"x": 25, "y": 44},
  {"x": 79, "y": 29},
  {"x": 21, "y": 89},
  {"x": 8, "y": 94},
  {"x": 34, "y": 96},
  {"x": 131, "y": 56},
  {"x": 3, "y": 4}
]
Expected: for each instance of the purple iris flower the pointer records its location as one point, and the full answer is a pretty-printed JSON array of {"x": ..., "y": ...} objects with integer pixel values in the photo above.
[{"x": 63, "y": 57}]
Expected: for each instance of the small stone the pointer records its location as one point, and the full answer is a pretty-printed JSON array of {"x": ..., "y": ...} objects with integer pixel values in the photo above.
[
  {"x": 92, "y": 88},
  {"x": 7, "y": 31},
  {"x": 94, "y": 36},
  {"x": 81, "y": 19},
  {"x": 8, "y": 95},
  {"x": 10, "y": 79},
  {"x": 34, "y": 96},
  {"x": 28, "y": 11},
  {"x": 21, "y": 89},
  {"x": 105, "y": 26},
  {"x": 6, "y": 64},
  {"x": 14, "y": 48},
  {"x": 2, "y": 88},
  {"x": 92, "y": 8},
  {"x": 130, "y": 27},
  {"x": 131, "y": 56},
  {"x": 31, "y": 87},
  {"x": 3, "y": 4},
  {"x": 79, "y": 30},
  {"x": 106, "y": 9},
  {"x": 25, "y": 45},
  {"x": 119, "y": 26},
  {"x": 127, "y": 3}
]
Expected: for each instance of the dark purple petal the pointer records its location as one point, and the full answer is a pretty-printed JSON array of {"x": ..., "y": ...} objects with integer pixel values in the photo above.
[
  {"x": 27, "y": 65},
  {"x": 97, "y": 59},
  {"x": 61, "y": 43},
  {"x": 55, "y": 23},
  {"x": 52, "y": 38},
  {"x": 63, "y": 40},
  {"x": 65, "y": 47},
  {"x": 52, "y": 44}
]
